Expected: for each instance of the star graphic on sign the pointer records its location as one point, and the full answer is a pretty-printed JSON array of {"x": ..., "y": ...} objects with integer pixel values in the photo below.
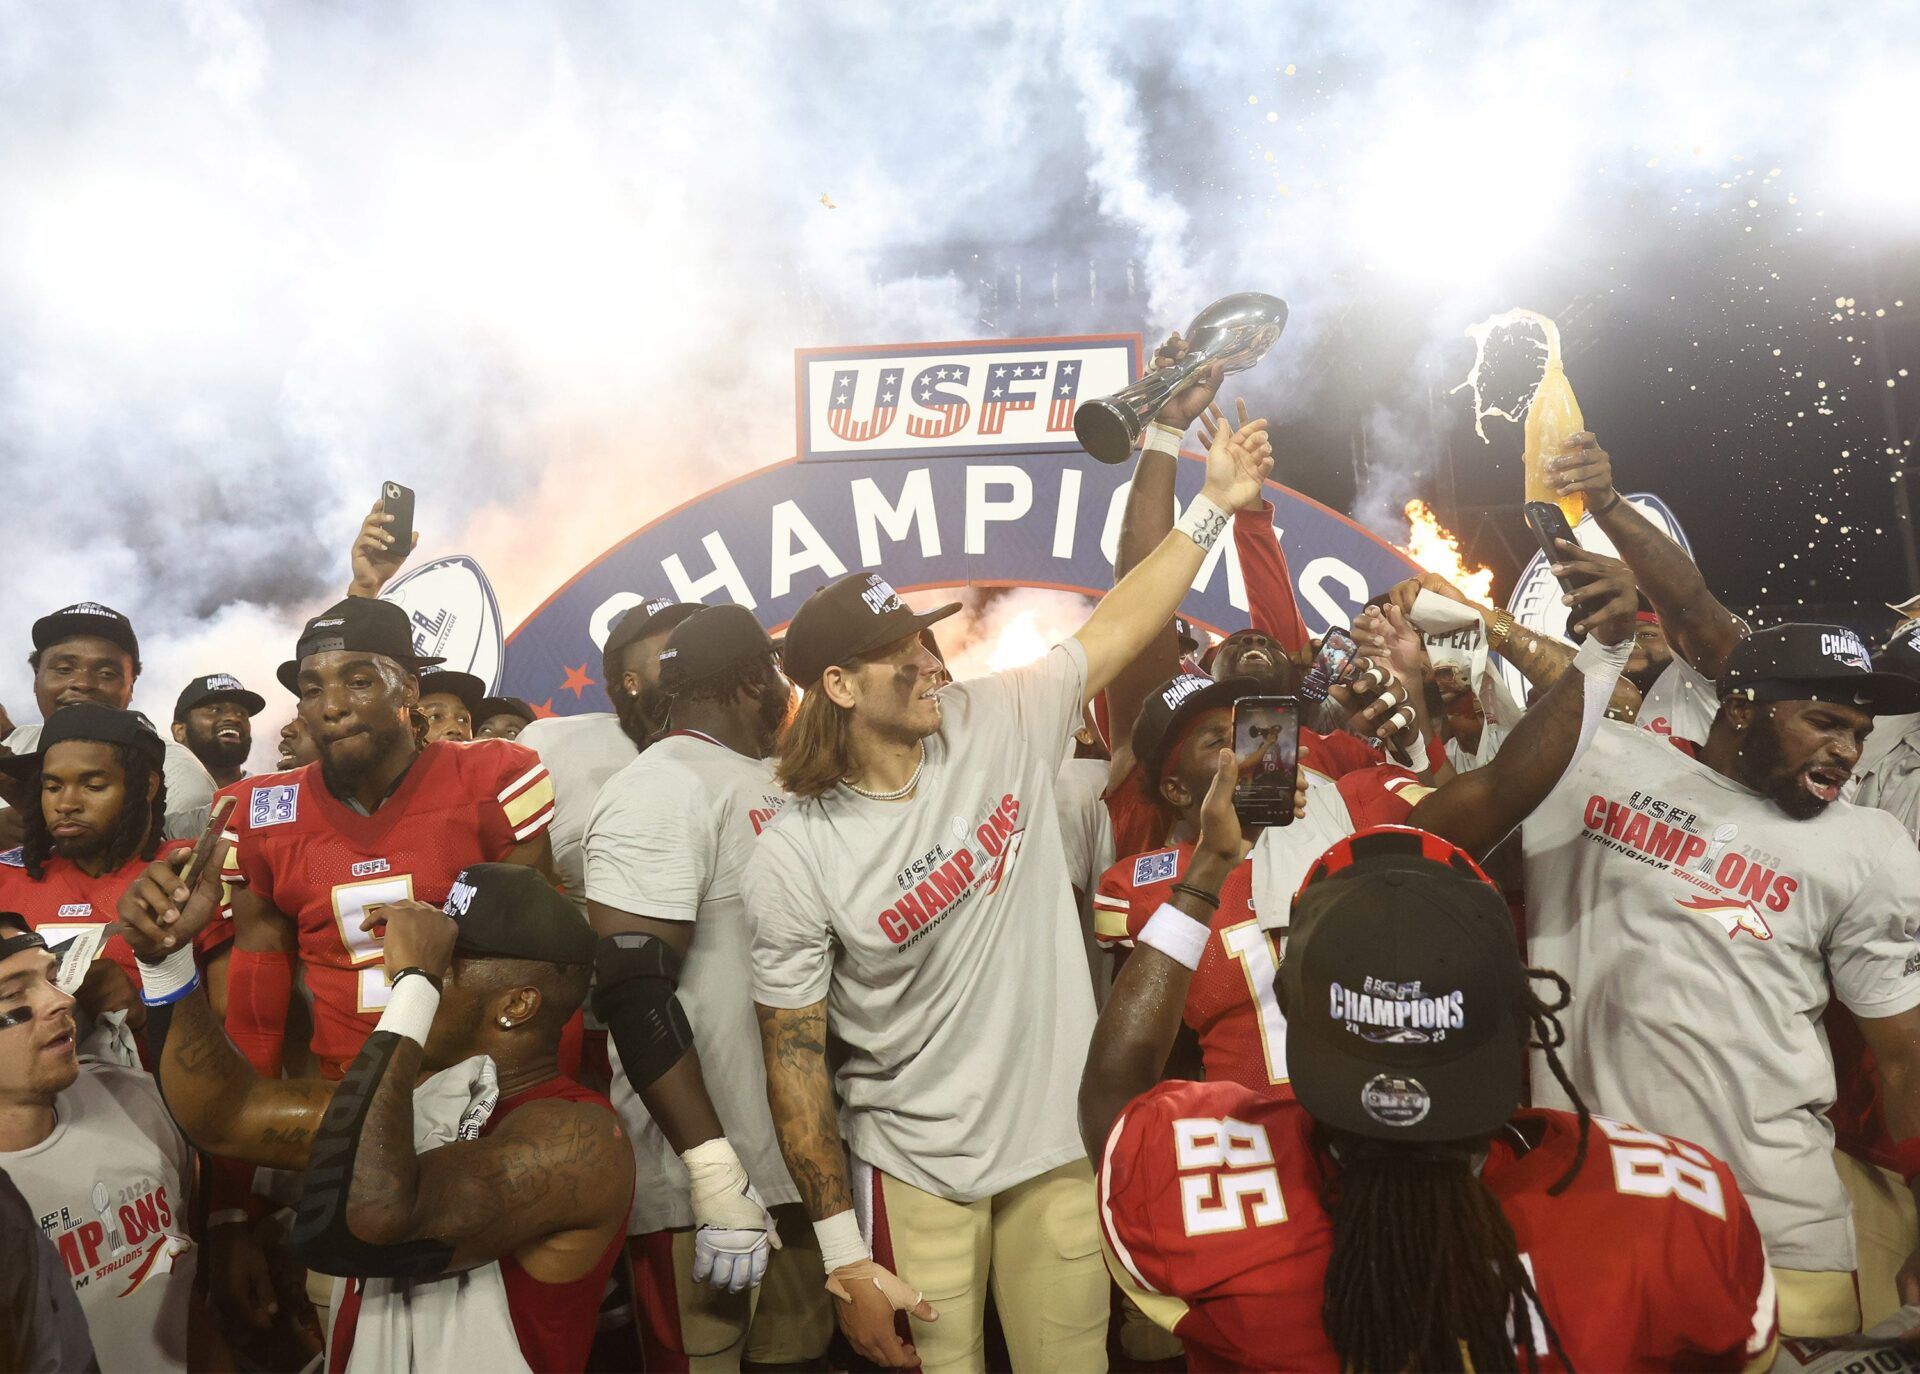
[
  {"x": 999, "y": 372},
  {"x": 886, "y": 398},
  {"x": 1064, "y": 390},
  {"x": 998, "y": 390},
  {"x": 1066, "y": 368},
  {"x": 926, "y": 392},
  {"x": 543, "y": 710},
  {"x": 577, "y": 681}
]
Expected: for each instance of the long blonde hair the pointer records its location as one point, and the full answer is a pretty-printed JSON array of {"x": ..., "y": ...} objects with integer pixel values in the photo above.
[{"x": 817, "y": 750}]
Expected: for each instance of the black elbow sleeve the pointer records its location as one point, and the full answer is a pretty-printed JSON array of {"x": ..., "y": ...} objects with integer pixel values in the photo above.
[
  {"x": 321, "y": 1237},
  {"x": 634, "y": 980}
]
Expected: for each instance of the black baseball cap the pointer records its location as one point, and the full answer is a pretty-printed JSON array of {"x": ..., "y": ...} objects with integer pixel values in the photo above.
[
  {"x": 648, "y": 618},
  {"x": 217, "y": 687},
  {"x": 86, "y": 618},
  {"x": 1801, "y": 662},
  {"x": 508, "y": 911},
  {"x": 88, "y": 720},
  {"x": 470, "y": 689},
  {"x": 359, "y": 624},
  {"x": 1171, "y": 705},
  {"x": 503, "y": 706},
  {"x": 855, "y": 615},
  {"x": 1404, "y": 991},
  {"x": 1902, "y": 653},
  {"x": 702, "y": 645}
]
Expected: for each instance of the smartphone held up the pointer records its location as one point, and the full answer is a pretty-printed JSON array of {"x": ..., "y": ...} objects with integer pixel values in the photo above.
[{"x": 1266, "y": 750}]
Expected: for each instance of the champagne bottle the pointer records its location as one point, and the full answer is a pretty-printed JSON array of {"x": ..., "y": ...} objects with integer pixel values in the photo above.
[{"x": 1553, "y": 417}]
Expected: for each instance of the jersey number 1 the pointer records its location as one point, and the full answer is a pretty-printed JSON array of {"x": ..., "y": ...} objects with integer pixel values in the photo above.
[{"x": 1253, "y": 949}]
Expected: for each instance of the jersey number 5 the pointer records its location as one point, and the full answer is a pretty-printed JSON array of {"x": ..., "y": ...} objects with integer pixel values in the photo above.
[
  {"x": 1233, "y": 1184},
  {"x": 350, "y": 904}
]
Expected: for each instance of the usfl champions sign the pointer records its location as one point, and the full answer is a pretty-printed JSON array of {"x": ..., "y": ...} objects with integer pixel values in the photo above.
[{"x": 940, "y": 465}]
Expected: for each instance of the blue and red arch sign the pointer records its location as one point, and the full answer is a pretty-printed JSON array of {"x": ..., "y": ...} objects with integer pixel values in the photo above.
[{"x": 936, "y": 481}]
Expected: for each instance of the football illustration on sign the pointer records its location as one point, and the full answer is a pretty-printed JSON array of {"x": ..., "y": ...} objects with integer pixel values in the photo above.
[{"x": 451, "y": 607}]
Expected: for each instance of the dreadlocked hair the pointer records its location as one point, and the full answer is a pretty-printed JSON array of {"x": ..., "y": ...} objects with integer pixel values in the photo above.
[
  {"x": 137, "y": 834},
  {"x": 1425, "y": 1272},
  {"x": 746, "y": 675}
]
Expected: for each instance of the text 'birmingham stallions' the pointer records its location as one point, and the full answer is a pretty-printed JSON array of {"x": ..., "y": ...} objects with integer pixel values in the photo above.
[
  {"x": 1735, "y": 884},
  {"x": 978, "y": 866}
]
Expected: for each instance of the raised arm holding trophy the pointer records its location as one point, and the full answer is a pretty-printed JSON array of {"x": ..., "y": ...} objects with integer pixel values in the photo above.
[{"x": 1235, "y": 331}]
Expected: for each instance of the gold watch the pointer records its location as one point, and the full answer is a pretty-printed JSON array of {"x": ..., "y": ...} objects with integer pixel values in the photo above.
[{"x": 1499, "y": 630}]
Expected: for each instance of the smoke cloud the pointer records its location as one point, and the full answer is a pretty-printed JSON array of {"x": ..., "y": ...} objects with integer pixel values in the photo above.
[{"x": 548, "y": 263}]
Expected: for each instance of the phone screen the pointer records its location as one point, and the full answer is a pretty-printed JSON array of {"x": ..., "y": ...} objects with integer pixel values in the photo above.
[
  {"x": 1266, "y": 743},
  {"x": 1330, "y": 666}
]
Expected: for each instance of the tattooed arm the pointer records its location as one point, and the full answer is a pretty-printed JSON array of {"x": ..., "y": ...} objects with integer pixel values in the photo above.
[
  {"x": 1479, "y": 809},
  {"x": 226, "y": 1108},
  {"x": 555, "y": 1180},
  {"x": 800, "y": 1092},
  {"x": 221, "y": 1104}
]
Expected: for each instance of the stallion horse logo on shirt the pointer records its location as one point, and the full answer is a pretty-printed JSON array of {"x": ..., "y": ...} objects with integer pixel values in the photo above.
[{"x": 1735, "y": 913}]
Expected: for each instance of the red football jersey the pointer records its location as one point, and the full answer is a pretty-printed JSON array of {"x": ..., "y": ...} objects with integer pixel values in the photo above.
[
  {"x": 1210, "y": 1208},
  {"x": 1139, "y": 825},
  {"x": 67, "y": 901},
  {"x": 1230, "y": 1002},
  {"x": 322, "y": 864}
]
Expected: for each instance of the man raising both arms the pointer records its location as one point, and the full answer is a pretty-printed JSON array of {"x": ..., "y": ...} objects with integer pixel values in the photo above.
[
  {"x": 913, "y": 899},
  {"x": 479, "y": 1214}
]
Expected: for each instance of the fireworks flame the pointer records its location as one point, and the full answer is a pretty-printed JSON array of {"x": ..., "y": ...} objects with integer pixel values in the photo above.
[
  {"x": 1431, "y": 546},
  {"x": 1020, "y": 643}
]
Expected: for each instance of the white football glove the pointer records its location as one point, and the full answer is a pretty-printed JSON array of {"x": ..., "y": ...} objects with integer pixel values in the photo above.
[{"x": 734, "y": 1233}]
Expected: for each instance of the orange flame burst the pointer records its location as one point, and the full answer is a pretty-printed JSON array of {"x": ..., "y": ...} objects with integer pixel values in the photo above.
[{"x": 1431, "y": 546}]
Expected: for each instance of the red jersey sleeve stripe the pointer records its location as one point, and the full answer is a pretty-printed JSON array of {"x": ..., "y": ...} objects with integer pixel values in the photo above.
[
  {"x": 1107, "y": 1228},
  {"x": 526, "y": 779},
  {"x": 535, "y": 823}
]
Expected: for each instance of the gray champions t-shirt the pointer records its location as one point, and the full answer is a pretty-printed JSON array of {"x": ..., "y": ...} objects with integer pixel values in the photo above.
[
  {"x": 1699, "y": 925},
  {"x": 668, "y": 839},
  {"x": 110, "y": 1187},
  {"x": 942, "y": 935}
]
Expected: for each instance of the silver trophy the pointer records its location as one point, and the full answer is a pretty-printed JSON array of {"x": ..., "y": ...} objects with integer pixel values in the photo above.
[{"x": 1235, "y": 331}]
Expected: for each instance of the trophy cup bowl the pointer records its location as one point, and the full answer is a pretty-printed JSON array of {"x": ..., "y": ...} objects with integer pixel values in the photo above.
[{"x": 1235, "y": 331}]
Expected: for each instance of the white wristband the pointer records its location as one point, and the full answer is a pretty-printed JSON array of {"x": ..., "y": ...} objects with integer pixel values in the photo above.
[
  {"x": 1163, "y": 439},
  {"x": 1203, "y": 523},
  {"x": 840, "y": 1241},
  {"x": 410, "y": 1010},
  {"x": 1175, "y": 934},
  {"x": 1599, "y": 662},
  {"x": 1599, "y": 666},
  {"x": 169, "y": 980}
]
